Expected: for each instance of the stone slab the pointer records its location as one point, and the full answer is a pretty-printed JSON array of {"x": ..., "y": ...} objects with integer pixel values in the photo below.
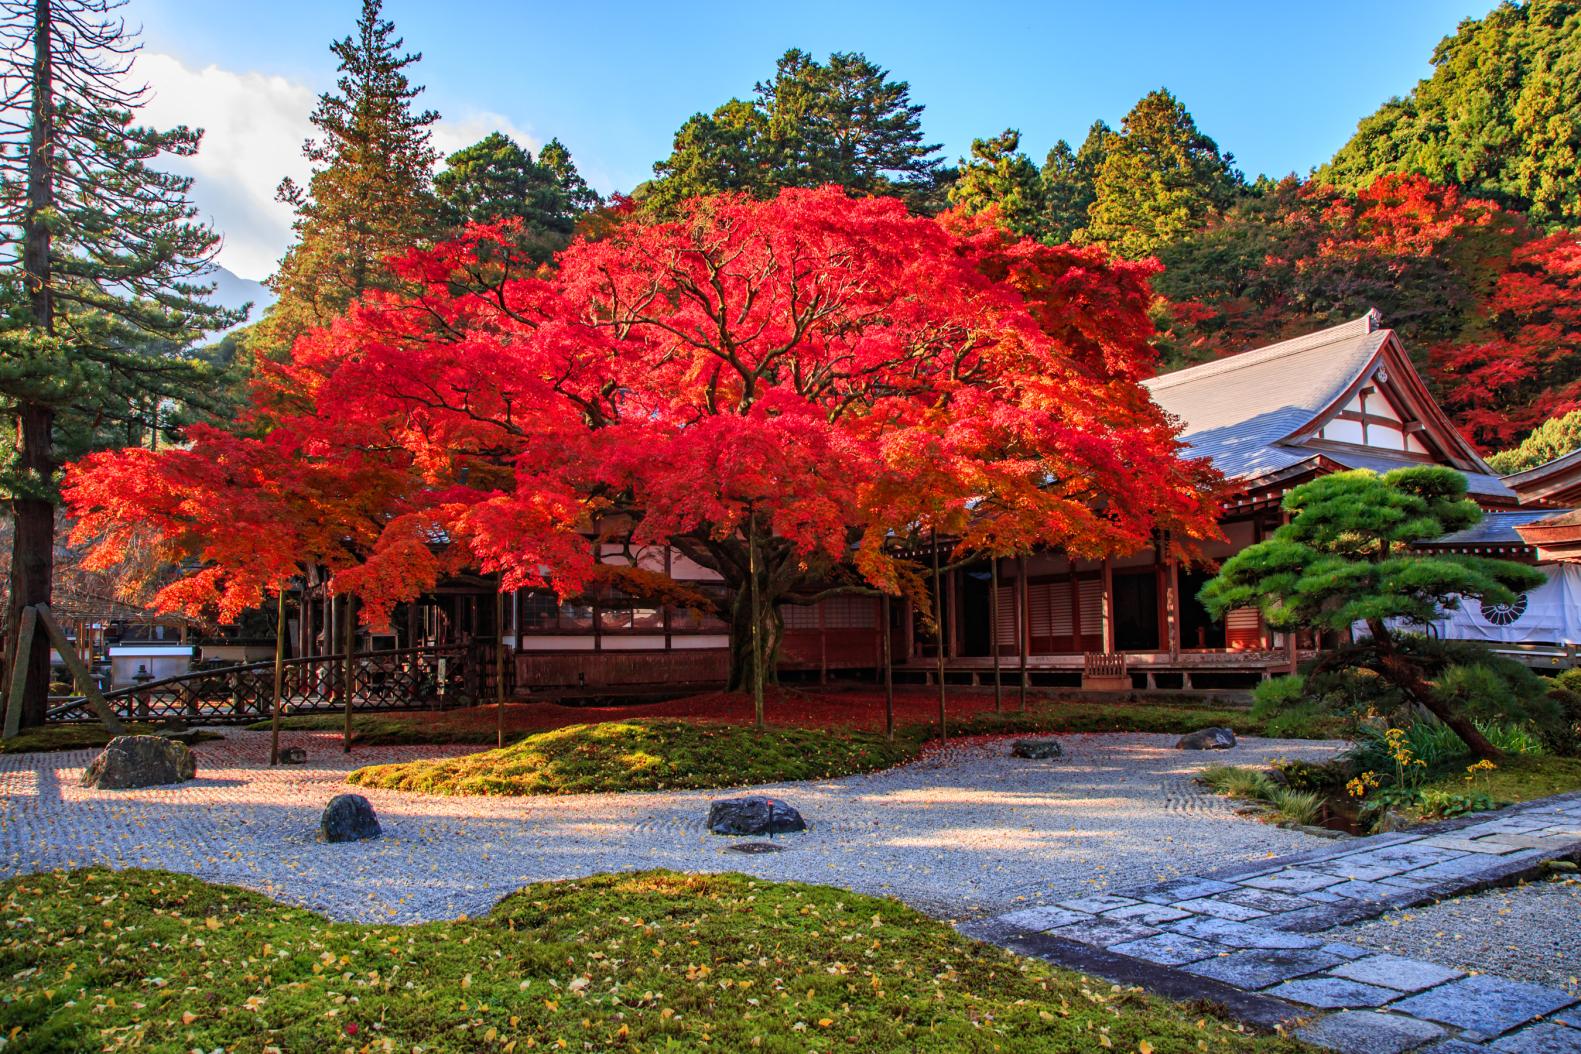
[
  {"x": 1042, "y": 919},
  {"x": 1470, "y": 845},
  {"x": 1240, "y": 934},
  {"x": 1453, "y": 1046},
  {"x": 1257, "y": 968},
  {"x": 1146, "y": 914},
  {"x": 1170, "y": 949},
  {"x": 1543, "y": 1038},
  {"x": 1098, "y": 902},
  {"x": 1104, "y": 932},
  {"x": 1397, "y": 972},
  {"x": 1221, "y": 909},
  {"x": 1265, "y": 900},
  {"x": 1293, "y": 880},
  {"x": 1186, "y": 889},
  {"x": 1369, "y": 1032},
  {"x": 1333, "y": 993},
  {"x": 1486, "y": 1004}
]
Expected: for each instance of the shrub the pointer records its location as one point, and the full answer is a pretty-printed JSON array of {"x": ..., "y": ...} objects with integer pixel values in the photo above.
[
  {"x": 1237, "y": 781},
  {"x": 1314, "y": 775},
  {"x": 1303, "y": 807},
  {"x": 1442, "y": 804}
]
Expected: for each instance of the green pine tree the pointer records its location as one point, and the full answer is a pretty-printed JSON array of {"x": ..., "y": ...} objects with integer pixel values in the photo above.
[
  {"x": 370, "y": 193},
  {"x": 1160, "y": 177},
  {"x": 103, "y": 287},
  {"x": 495, "y": 179},
  {"x": 998, "y": 175},
  {"x": 1070, "y": 182}
]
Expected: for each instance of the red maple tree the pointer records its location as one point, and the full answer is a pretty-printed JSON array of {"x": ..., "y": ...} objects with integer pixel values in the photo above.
[{"x": 781, "y": 390}]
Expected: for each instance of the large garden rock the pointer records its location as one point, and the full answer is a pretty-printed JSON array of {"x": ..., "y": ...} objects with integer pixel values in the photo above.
[
  {"x": 1207, "y": 739},
  {"x": 129, "y": 762},
  {"x": 348, "y": 818},
  {"x": 753, "y": 814},
  {"x": 1036, "y": 749}
]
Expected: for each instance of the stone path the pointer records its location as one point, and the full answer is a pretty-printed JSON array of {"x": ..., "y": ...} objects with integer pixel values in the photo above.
[{"x": 1251, "y": 939}]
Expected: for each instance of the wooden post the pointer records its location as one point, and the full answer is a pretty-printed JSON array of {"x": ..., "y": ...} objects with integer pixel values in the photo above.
[
  {"x": 757, "y": 617},
  {"x": 993, "y": 631},
  {"x": 279, "y": 678},
  {"x": 889, "y": 675},
  {"x": 1108, "y": 606},
  {"x": 79, "y": 672},
  {"x": 499, "y": 667},
  {"x": 1023, "y": 624},
  {"x": 19, "y": 665},
  {"x": 938, "y": 624},
  {"x": 350, "y": 614}
]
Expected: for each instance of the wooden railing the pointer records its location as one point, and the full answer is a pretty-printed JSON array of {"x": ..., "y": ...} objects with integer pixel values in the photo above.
[{"x": 407, "y": 679}]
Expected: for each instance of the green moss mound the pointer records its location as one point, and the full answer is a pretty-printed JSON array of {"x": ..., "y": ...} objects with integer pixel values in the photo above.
[
  {"x": 78, "y": 735},
  {"x": 653, "y": 961},
  {"x": 643, "y": 756}
]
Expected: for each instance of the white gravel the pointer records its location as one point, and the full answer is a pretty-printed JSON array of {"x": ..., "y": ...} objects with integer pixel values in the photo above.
[
  {"x": 960, "y": 833},
  {"x": 1530, "y": 932}
]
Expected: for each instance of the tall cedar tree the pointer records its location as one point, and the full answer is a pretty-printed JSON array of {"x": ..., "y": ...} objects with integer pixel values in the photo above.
[
  {"x": 1554, "y": 438},
  {"x": 1070, "y": 180},
  {"x": 788, "y": 386},
  {"x": 1344, "y": 558},
  {"x": 998, "y": 176},
  {"x": 1161, "y": 177},
  {"x": 842, "y": 121},
  {"x": 1500, "y": 116},
  {"x": 369, "y": 195},
  {"x": 495, "y": 180},
  {"x": 104, "y": 265}
]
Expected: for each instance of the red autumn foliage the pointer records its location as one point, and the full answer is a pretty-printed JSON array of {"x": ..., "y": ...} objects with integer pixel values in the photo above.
[{"x": 833, "y": 372}]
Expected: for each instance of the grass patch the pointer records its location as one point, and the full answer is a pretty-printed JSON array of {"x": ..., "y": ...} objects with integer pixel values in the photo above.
[
  {"x": 1237, "y": 781},
  {"x": 80, "y": 735},
  {"x": 643, "y": 756},
  {"x": 1519, "y": 777},
  {"x": 161, "y": 962},
  {"x": 1172, "y": 718},
  {"x": 393, "y": 729}
]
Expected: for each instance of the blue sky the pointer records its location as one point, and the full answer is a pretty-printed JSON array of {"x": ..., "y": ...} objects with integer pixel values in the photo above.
[{"x": 1281, "y": 85}]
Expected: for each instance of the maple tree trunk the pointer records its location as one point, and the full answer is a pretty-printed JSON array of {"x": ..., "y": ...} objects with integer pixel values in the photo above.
[
  {"x": 743, "y": 661},
  {"x": 1404, "y": 674},
  {"x": 32, "y": 507}
]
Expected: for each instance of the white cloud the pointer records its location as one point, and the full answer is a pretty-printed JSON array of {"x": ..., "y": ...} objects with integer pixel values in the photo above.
[{"x": 254, "y": 125}]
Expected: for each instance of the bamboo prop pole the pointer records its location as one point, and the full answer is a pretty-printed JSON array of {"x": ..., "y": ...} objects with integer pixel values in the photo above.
[
  {"x": 889, "y": 676},
  {"x": 1023, "y": 625},
  {"x": 993, "y": 631},
  {"x": 757, "y": 619},
  {"x": 279, "y": 678},
  {"x": 938, "y": 624},
  {"x": 499, "y": 667},
  {"x": 79, "y": 672},
  {"x": 19, "y": 665}
]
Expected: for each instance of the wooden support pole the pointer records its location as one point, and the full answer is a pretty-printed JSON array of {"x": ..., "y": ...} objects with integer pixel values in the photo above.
[
  {"x": 757, "y": 617},
  {"x": 889, "y": 675},
  {"x": 279, "y": 678},
  {"x": 1023, "y": 624},
  {"x": 993, "y": 630},
  {"x": 349, "y": 604},
  {"x": 499, "y": 667},
  {"x": 19, "y": 665},
  {"x": 938, "y": 624},
  {"x": 79, "y": 672}
]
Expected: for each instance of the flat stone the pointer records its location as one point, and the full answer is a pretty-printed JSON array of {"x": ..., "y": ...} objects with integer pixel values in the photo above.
[
  {"x": 1104, "y": 932},
  {"x": 1404, "y": 856},
  {"x": 1180, "y": 889},
  {"x": 293, "y": 756},
  {"x": 1098, "y": 902},
  {"x": 1261, "y": 967},
  {"x": 1397, "y": 972},
  {"x": 1293, "y": 880},
  {"x": 1348, "y": 952},
  {"x": 348, "y": 818},
  {"x": 1240, "y": 935},
  {"x": 1265, "y": 900},
  {"x": 1221, "y": 909},
  {"x": 1169, "y": 949},
  {"x": 1041, "y": 920},
  {"x": 1529, "y": 841},
  {"x": 1453, "y": 1046},
  {"x": 1571, "y": 1017},
  {"x": 754, "y": 814},
  {"x": 1215, "y": 738},
  {"x": 1469, "y": 845},
  {"x": 1369, "y": 1032},
  {"x": 1036, "y": 749},
  {"x": 1543, "y": 1038},
  {"x": 1146, "y": 914},
  {"x": 1488, "y": 1004},
  {"x": 1363, "y": 890},
  {"x": 1333, "y": 993}
]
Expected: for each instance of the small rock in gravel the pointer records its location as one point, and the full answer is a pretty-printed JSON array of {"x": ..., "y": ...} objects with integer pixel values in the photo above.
[
  {"x": 349, "y": 818},
  {"x": 188, "y": 736},
  {"x": 753, "y": 814},
  {"x": 1207, "y": 739},
  {"x": 1036, "y": 749},
  {"x": 129, "y": 762},
  {"x": 293, "y": 755}
]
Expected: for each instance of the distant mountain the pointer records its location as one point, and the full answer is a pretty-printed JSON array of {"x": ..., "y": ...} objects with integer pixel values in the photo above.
[{"x": 232, "y": 290}]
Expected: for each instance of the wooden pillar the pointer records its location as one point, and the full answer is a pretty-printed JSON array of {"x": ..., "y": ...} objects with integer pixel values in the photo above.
[
  {"x": 1108, "y": 606},
  {"x": 1023, "y": 625},
  {"x": 993, "y": 630},
  {"x": 499, "y": 667},
  {"x": 889, "y": 673},
  {"x": 1076, "y": 628},
  {"x": 349, "y": 683},
  {"x": 1172, "y": 583},
  {"x": 938, "y": 622},
  {"x": 279, "y": 678}
]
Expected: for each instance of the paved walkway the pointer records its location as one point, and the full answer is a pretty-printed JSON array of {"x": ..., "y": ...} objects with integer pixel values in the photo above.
[
  {"x": 961, "y": 833},
  {"x": 1250, "y": 938}
]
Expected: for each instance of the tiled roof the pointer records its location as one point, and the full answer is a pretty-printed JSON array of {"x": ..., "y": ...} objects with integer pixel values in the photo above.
[
  {"x": 1495, "y": 528},
  {"x": 1237, "y": 410}
]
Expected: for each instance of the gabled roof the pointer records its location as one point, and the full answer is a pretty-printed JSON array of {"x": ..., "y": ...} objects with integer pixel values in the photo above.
[
  {"x": 1257, "y": 414},
  {"x": 1556, "y": 481}
]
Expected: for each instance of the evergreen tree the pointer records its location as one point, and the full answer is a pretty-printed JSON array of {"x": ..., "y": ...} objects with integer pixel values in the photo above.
[
  {"x": 843, "y": 121},
  {"x": 495, "y": 179},
  {"x": 1500, "y": 116},
  {"x": 999, "y": 176},
  {"x": 1069, "y": 182},
  {"x": 1554, "y": 438},
  {"x": 1160, "y": 177},
  {"x": 370, "y": 192},
  {"x": 103, "y": 282}
]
